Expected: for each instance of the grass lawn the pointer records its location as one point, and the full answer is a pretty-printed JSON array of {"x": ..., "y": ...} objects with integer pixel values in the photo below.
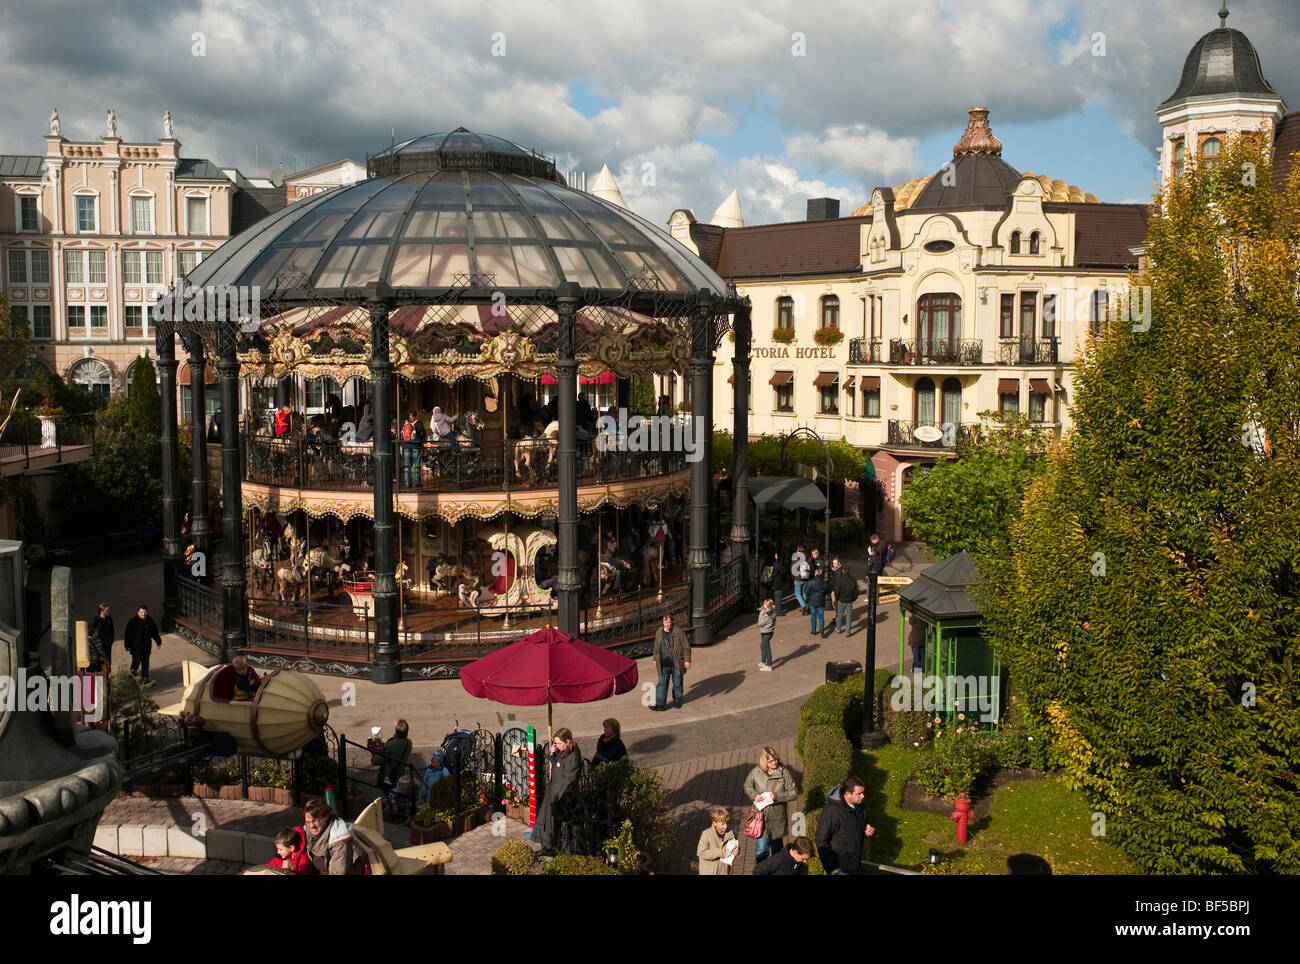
[{"x": 1039, "y": 816}]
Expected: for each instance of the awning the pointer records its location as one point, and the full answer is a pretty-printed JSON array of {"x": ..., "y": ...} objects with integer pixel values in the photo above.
[
  {"x": 731, "y": 379},
  {"x": 825, "y": 379},
  {"x": 1008, "y": 386},
  {"x": 870, "y": 383},
  {"x": 209, "y": 375},
  {"x": 1039, "y": 386},
  {"x": 850, "y": 382},
  {"x": 781, "y": 378},
  {"x": 607, "y": 378},
  {"x": 786, "y": 493}
]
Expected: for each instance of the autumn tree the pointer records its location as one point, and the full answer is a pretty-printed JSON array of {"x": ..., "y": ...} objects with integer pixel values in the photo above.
[{"x": 1148, "y": 602}]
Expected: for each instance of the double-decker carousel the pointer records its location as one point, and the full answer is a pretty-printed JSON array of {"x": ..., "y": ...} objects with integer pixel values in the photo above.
[{"x": 456, "y": 490}]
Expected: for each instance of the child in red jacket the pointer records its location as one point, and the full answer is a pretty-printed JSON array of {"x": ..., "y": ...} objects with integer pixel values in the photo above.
[{"x": 291, "y": 852}]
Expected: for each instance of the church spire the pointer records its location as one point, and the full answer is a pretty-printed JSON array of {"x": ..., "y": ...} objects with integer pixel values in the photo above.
[
  {"x": 978, "y": 138},
  {"x": 1223, "y": 15}
]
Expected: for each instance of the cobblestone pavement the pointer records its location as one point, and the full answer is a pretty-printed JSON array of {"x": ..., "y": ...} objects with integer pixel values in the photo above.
[{"x": 246, "y": 816}]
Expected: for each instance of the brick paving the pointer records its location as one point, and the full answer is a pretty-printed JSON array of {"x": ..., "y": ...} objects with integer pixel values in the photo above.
[{"x": 241, "y": 815}]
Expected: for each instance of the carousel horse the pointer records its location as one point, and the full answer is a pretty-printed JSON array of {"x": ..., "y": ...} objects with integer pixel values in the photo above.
[
  {"x": 334, "y": 566},
  {"x": 534, "y": 454},
  {"x": 444, "y": 573},
  {"x": 470, "y": 590},
  {"x": 262, "y": 563},
  {"x": 400, "y": 575},
  {"x": 292, "y": 578},
  {"x": 650, "y": 563}
]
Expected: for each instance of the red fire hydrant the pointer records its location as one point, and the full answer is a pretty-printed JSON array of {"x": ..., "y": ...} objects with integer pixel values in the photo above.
[{"x": 962, "y": 816}]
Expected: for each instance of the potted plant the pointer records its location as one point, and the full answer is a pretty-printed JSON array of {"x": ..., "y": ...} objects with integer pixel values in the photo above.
[
  {"x": 515, "y": 804},
  {"x": 270, "y": 782},
  {"x": 430, "y": 824},
  {"x": 48, "y": 412},
  {"x": 783, "y": 336},
  {"x": 829, "y": 335}
]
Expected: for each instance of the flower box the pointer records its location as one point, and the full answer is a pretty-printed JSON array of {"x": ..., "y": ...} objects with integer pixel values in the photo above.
[
  {"x": 828, "y": 336},
  {"x": 232, "y": 792},
  {"x": 207, "y": 791},
  {"x": 783, "y": 336}
]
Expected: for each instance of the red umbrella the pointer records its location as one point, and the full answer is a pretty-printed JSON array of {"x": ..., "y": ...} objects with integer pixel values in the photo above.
[{"x": 549, "y": 667}]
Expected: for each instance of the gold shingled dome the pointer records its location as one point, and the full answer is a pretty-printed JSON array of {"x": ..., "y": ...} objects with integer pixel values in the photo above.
[{"x": 1053, "y": 190}]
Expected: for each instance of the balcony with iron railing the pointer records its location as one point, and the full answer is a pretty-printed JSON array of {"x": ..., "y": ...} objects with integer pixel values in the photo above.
[
  {"x": 936, "y": 351},
  {"x": 865, "y": 351},
  {"x": 902, "y": 434},
  {"x": 1028, "y": 351}
]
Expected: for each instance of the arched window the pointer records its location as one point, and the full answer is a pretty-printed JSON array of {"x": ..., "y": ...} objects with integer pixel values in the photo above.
[
  {"x": 1210, "y": 151},
  {"x": 1015, "y": 242},
  {"x": 1180, "y": 158},
  {"x": 951, "y": 401},
  {"x": 938, "y": 321},
  {"x": 785, "y": 312},
  {"x": 92, "y": 375},
  {"x": 130, "y": 374},
  {"x": 830, "y": 311},
  {"x": 1033, "y": 242},
  {"x": 924, "y": 402}
]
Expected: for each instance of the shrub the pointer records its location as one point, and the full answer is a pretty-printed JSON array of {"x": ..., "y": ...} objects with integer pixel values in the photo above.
[
  {"x": 624, "y": 847},
  {"x": 955, "y": 761},
  {"x": 827, "y": 705},
  {"x": 513, "y": 859},
  {"x": 903, "y": 727},
  {"x": 576, "y": 865},
  {"x": 271, "y": 773},
  {"x": 622, "y": 793},
  {"x": 827, "y": 758},
  {"x": 783, "y": 336}
]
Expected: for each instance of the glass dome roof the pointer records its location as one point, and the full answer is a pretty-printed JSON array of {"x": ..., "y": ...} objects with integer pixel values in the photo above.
[{"x": 452, "y": 207}]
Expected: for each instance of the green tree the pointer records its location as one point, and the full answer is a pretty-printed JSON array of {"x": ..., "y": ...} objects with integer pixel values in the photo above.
[
  {"x": 967, "y": 503},
  {"x": 121, "y": 485},
  {"x": 145, "y": 402},
  {"x": 1148, "y": 602},
  {"x": 15, "y": 340}
]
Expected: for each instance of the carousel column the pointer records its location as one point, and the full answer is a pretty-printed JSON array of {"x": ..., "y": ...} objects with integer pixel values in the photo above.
[
  {"x": 567, "y": 580},
  {"x": 234, "y": 594},
  {"x": 198, "y": 443},
  {"x": 740, "y": 476},
  {"x": 384, "y": 667},
  {"x": 701, "y": 366},
  {"x": 173, "y": 551}
]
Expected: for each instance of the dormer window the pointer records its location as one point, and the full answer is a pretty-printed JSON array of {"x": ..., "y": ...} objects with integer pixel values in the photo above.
[
  {"x": 1180, "y": 158},
  {"x": 1015, "y": 242},
  {"x": 1033, "y": 243}
]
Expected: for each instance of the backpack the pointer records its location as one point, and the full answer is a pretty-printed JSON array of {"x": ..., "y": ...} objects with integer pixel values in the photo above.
[
  {"x": 802, "y": 570},
  {"x": 406, "y": 431},
  {"x": 889, "y": 552},
  {"x": 766, "y": 577}
]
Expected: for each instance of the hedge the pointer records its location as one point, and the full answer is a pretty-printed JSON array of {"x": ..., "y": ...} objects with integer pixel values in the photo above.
[
  {"x": 576, "y": 865},
  {"x": 513, "y": 859}
]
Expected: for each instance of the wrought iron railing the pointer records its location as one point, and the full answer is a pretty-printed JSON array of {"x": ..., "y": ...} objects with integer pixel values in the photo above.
[
  {"x": 865, "y": 351},
  {"x": 439, "y": 467},
  {"x": 937, "y": 351},
  {"x": 903, "y": 434},
  {"x": 1028, "y": 351}
]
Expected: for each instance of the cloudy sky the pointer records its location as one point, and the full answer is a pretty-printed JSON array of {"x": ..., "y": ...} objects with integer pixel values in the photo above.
[{"x": 684, "y": 99}]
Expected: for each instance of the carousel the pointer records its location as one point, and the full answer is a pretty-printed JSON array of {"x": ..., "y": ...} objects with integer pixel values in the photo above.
[{"x": 413, "y": 453}]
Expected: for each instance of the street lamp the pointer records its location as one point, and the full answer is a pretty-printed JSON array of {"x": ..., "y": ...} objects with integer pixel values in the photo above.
[{"x": 804, "y": 432}]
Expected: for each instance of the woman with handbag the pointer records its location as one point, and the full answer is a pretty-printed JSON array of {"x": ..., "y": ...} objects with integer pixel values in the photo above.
[{"x": 769, "y": 781}]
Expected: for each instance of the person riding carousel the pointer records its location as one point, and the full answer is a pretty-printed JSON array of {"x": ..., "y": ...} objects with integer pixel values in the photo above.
[{"x": 443, "y": 427}]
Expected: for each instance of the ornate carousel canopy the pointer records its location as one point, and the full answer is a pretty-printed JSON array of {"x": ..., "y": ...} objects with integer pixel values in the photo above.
[{"x": 473, "y": 239}]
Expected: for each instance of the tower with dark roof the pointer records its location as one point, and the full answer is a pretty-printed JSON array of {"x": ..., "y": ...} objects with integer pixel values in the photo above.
[{"x": 1222, "y": 92}]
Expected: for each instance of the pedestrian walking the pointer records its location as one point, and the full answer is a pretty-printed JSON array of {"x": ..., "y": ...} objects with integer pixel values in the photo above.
[
  {"x": 718, "y": 846},
  {"x": 816, "y": 592},
  {"x": 672, "y": 656},
  {"x": 781, "y": 582},
  {"x": 770, "y": 785},
  {"x": 792, "y": 861},
  {"x": 140, "y": 631},
  {"x": 101, "y": 635},
  {"x": 564, "y": 765},
  {"x": 800, "y": 570},
  {"x": 846, "y": 593},
  {"x": 843, "y": 828},
  {"x": 766, "y": 627}
]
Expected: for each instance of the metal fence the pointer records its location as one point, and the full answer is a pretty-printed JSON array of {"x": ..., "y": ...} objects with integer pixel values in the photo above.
[{"x": 441, "y": 467}]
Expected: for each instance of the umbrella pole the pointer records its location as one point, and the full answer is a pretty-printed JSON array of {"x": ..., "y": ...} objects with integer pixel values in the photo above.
[{"x": 600, "y": 552}]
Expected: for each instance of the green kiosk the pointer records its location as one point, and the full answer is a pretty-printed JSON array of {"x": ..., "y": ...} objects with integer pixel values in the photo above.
[{"x": 943, "y": 626}]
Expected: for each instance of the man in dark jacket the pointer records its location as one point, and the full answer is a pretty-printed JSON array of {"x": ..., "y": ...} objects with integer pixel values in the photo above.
[
  {"x": 101, "y": 634},
  {"x": 140, "y": 631},
  {"x": 815, "y": 593},
  {"x": 846, "y": 592},
  {"x": 842, "y": 828},
  {"x": 875, "y": 562},
  {"x": 792, "y": 861},
  {"x": 672, "y": 656},
  {"x": 781, "y": 582}
]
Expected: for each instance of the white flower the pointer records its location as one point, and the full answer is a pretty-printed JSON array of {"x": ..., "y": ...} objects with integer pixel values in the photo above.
[{"x": 1031, "y": 739}]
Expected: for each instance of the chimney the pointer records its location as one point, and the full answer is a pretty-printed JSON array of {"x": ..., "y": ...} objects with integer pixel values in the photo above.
[{"x": 823, "y": 208}]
